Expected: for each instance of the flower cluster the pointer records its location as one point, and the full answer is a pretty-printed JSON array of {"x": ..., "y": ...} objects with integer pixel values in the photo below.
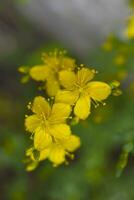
[{"x": 71, "y": 92}]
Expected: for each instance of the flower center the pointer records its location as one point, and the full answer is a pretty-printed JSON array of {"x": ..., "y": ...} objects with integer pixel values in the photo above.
[
  {"x": 44, "y": 120},
  {"x": 80, "y": 87}
]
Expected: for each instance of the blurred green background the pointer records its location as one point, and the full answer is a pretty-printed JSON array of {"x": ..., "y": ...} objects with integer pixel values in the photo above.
[{"x": 103, "y": 166}]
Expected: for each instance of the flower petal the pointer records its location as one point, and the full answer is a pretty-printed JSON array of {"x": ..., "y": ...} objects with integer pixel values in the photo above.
[
  {"x": 64, "y": 96},
  {"x": 31, "y": 123},
  {"x": 52, "y": 86},
  {"x": 57, "y": 154},
  {"x": 98, "y": 90},
  {"x": 84, "y": 75},
  {"x": 72, "y": 143},
  {"x": 82, "y": 107},
  {"x": 67, "y": 79},
  {"x": 41, "y": 106},
  {"x": 42, "y": 139},
  {"x": 39, "y": 72},
  {"x": 60, "y": 131},
  {"x": 44, "y": 154},
  {"x": 68, "y": 63},
  {"x": 60, "y": 113}
]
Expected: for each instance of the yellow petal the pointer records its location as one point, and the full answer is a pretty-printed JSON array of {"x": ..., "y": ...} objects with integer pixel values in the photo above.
[
  {"x": 72, "y": 143},
  {"x": 31, "y": 123},
  {"x": 98, "y": 90},
  {"x": 42, "y": 139},
  {"x": 41, "y": 106},
  {"x": 52, "y": 61},
  {"x": 68, "y": 63},
  {"x": 64, "y": 96},
  {"x": 29, "y": 152},
  {"x": 60, "y": 112},
  {"x": 57, "y": 155},
  {"x": 60, "y": 131},
  {"x": 82, "y": 107},
  {"x": 52, "y": 86},
  {"x": 44, "y": 154},
  {"x": 129, "y": 32},
  {"x": 67, "y": 79},
  {"x": 84, "y": 75},
  {"x": 31, "y": 166},
  {"x": 39, "y": 72}
]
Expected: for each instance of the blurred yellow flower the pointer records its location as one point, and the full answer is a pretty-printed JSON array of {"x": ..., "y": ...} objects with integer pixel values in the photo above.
[
  {"x": 58, "y": 150},
  {"x": 108, "y": 44},
  {"x": 47, "y": 123},
  {"x": 80, "y": 91},
  {"x": 49, "y": 72},
  {"x": 129, "y": 32},
  {"x": 120, "y": 60}
]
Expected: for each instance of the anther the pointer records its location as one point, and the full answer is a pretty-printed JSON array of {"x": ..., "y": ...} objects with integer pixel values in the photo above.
[
  {"x": 70, "y": 117},
  {"x": 29, "y": 106},
  {"x": 96, "y": 106},
  {"x": 103, "y": 103},
  {"x": 31, "y": 137},
  {"x": 72, "y": 156}
]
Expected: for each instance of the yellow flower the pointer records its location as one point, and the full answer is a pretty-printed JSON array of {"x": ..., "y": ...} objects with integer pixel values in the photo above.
[
  {"x": 49, "y": 72},
  {"x": 58, "y": 150},
  {"x": 47, "y": 123},
  {"x": 108, "y": 44},
  {"x": 129, "y": 32},
  {"x": 80, "y": 91},
  {"x": 120, "y": 60}
]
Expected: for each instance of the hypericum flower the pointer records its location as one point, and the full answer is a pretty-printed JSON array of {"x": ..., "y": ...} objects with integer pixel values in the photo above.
[
  {"x": 80, "y": 91},
  {"x": 49, "y": 71},
  {"x": 129, "y": 32},
  {"x": 47, "y": 123},
  {"x": 58, "y": 150}
]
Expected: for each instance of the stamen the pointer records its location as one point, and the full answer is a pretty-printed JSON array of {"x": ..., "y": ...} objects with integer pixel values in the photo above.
[
  {"x": 31, "y": 137},
  {"x": 70, "y": 155},
  {"x": 103, "y": 103},
  {"x": 96, "y": 72},
  {"x": 29, "y": 105},
  {"x": 81, "y": 65},
  {"x": 95, "y": 103},
  {"x": 48, "y": 99},
  {"x": 70, "y": 117}
]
